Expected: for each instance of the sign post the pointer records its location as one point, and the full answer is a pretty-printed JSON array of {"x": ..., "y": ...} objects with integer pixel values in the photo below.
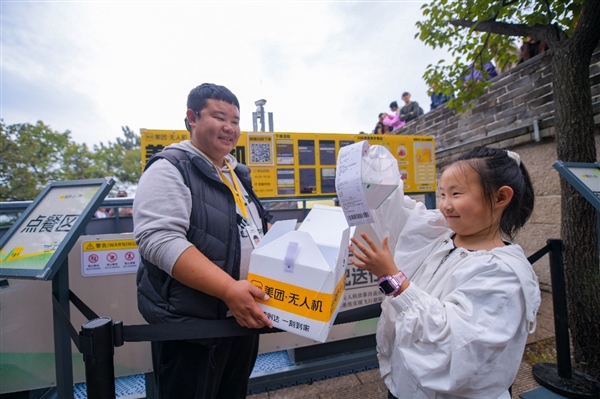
[
  {"x": 585, "y": 178},
  {"x": 37, "y": 247}
]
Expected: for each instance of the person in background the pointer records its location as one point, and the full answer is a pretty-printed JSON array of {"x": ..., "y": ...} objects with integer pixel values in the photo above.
[
  {"x": 411, "y": 109},
  {"x": 530, "y": 48},
  {"x": 101, "y": 213},
  {"x": 195, "y": 216},
  {"x": 123, "y": 211},
  {"x": 461, "y": 298},
  {"x": 474, "y": 74},
  {"x": 380, "y": 128},
  {"x": 394, "y": 108},
  {"x": 437, "y": 99},
  {"x": 393, "y": 121}
]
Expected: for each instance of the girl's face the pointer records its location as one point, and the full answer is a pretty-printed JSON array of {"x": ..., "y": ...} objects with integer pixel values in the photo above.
[{"x": 464, "y": 206}]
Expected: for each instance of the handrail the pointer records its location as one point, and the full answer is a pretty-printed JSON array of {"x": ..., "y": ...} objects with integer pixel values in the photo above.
[{"x": 19, "y": 206}]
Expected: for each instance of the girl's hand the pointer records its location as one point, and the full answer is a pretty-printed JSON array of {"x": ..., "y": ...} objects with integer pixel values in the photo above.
[{"x": 378, "y": 261}]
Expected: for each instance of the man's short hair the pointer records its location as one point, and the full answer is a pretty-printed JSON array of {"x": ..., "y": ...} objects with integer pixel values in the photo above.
[
  {"x": 393, "y": 104},
  {"x": 196, "y": 100},
  {"x": 405, "y": 94},
  {"x": 207, "y": 91}
]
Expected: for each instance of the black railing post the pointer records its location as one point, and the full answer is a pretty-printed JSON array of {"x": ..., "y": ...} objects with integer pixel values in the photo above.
[
  {"x": 559, "y": 303},
  {"x": 62, "y": 342},
  {"x": 100, "y": 365},
  {"x": 560, "y": 377}
]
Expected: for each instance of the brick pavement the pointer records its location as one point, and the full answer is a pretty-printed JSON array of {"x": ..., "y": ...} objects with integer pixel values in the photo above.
[{"x": 369, "y": 385}]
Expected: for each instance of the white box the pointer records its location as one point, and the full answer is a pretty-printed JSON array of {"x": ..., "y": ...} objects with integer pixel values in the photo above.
[
  {"x": 303, "y": 271},
  {"x": 366, "y": 175},
  {"x": 379, "y": 175}
]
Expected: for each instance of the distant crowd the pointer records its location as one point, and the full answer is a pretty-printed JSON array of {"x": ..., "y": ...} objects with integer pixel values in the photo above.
[
  {"x": 103, "y": 213},
  {"x": 398, "y": 117}
]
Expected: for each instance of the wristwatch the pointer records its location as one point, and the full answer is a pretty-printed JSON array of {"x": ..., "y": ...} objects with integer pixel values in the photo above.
[{"x": 390, "y": 285}]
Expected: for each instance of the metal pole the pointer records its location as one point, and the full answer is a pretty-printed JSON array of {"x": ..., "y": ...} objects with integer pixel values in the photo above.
[
  {"x": 100, "y": 365},
  {"x": 254, "y": 122},
  {"x": 559, "y": 377},
  {"x": 598, "y": 221},
  {"x": 117, "y": 220},
  {"x": 62, "y": 341},
  {"x": 430, "y": 201},
  {"x": 559, "y": 302}
]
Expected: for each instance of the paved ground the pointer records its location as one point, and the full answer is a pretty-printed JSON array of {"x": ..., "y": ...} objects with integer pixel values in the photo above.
[{"x": 369, "y": 385}]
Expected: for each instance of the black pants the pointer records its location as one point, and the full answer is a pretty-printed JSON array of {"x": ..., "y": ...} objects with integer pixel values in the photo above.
[{"x": 217, "y": 370}]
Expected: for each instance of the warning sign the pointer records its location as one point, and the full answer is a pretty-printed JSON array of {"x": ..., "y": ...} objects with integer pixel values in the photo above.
[{"x": 101, "y": 258}]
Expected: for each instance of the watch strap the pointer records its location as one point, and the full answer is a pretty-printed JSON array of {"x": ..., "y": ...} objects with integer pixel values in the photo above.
[{"x": 396, "y": 281}]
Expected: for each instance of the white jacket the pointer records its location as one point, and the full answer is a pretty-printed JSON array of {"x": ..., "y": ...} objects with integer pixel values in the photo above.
[{"x": 460, "y": 328}]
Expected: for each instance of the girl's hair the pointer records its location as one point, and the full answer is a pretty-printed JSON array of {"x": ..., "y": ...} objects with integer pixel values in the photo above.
[{"x": 496, "y": 169}]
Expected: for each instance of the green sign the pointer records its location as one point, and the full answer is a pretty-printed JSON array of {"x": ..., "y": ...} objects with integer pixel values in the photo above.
[{"x": 40, "y": 240}]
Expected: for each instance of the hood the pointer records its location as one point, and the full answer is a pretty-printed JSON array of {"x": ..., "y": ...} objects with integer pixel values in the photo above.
[
  {"x": 517, "y": 261},
  {"x": 187, "y": 146}
]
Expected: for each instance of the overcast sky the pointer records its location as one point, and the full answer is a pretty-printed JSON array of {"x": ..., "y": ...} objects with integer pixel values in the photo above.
[{"x": 92, "y": 67}]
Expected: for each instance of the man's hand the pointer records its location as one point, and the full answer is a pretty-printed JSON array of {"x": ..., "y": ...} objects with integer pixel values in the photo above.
[
  {"x": 239, "y": 297},
  {"x": 195, "y": 270}
]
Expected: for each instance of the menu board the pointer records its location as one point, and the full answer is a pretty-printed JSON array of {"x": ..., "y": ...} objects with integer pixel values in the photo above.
[{"x": 303, "y": 164}]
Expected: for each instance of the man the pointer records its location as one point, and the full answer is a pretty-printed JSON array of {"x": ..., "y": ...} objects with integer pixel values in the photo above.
[
  {"x": 195, "y": 215},
  {"x": 411, "y": 109}
]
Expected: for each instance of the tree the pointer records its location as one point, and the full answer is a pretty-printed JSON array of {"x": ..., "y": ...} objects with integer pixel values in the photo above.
[
  {"x": 132, "y": 141},
  {"x": 481, "y": 31},
  {"x": 31, "y": 156},
  {"x": 120, "y": 160}
]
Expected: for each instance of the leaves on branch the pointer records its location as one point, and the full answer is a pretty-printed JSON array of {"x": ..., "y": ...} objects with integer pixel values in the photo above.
[
  {"x": 476, "y": 32},
  {"x": 31, "y": 156}
]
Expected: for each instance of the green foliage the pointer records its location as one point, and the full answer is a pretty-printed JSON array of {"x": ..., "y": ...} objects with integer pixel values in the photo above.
[
  {"x": 468, "y": 45},
  {"x": 132, "y": 140},
  {"x": 31, "y": 156}
]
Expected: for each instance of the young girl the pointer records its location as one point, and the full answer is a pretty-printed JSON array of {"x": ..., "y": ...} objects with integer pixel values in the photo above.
[{"x": 461, "y": 300}]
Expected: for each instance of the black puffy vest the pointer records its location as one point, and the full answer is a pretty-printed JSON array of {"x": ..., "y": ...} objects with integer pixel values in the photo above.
[{"x": 213, "y": 230}]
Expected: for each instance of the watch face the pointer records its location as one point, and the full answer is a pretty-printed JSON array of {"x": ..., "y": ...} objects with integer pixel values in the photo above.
[{"x": 386, "y": 287}]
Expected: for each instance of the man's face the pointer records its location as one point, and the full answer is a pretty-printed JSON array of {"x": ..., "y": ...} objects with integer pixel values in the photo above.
[
  {"x": 216, "y": 131},
  {"x": 406, "y": 98}
]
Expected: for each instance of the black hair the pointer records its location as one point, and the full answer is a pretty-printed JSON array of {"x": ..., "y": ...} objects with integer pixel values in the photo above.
[
  {"x": 405, "y": 94},
  {"x": 383, "y": 113},
  {"x": 393, "y": 104},
  {"x": 196, "y": 100},
  {"x": 496, "y": 169}
]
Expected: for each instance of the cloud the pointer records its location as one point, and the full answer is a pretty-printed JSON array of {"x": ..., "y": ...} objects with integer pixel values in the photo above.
[{"x": 92, "y": 67}]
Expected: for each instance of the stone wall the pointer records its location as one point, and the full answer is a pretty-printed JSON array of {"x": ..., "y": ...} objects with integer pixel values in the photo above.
[{"x": 516, "y": 113}]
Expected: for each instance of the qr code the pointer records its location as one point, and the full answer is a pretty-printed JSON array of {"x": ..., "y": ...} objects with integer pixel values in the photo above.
[{"x": 260, "y": 153}]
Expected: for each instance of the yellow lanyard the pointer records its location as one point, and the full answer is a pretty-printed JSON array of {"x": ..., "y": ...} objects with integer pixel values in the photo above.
[{"x": 235, "y": 190}]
